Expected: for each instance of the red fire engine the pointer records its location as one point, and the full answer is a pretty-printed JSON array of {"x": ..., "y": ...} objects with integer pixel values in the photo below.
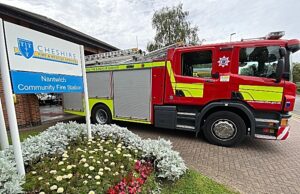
[{"x": 226, "y": 91}]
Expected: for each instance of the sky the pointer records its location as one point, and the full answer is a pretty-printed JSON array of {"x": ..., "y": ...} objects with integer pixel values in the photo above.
[{"x": 127, "y": 23}]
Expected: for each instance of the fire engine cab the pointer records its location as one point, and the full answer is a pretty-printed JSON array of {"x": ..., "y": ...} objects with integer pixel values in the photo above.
[{"x": 225, "y": 91}]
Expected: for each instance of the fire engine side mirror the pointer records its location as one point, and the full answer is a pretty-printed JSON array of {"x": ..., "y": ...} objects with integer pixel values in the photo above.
[{"x": 279, "y": 70}]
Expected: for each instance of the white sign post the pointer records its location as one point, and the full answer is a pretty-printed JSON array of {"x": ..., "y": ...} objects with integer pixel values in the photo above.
[
  {"x": 3, "y": 134},
  {"x": 86, "y": 96},
  {"x": 10, "y": 106},
  {"x": 33, "y": 62}
]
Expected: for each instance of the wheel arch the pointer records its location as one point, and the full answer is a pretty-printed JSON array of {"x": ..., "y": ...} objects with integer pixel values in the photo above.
[
  {"x": 237, "y": 107},
  {"x": 105, "y": 102}
]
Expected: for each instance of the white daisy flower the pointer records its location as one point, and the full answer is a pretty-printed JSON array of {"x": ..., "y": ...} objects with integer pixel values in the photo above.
[
  {"x": 92, "y": 168},
  {"x": 53, "y": 187},
  {"x": 69, "y": 167},
  {"x": 59, "y": 178},
  {"x": 100, "y": 173},
  {"x": 65, "y": 155},
  {"x": 82, "y": 160},
  {"x": 60, "y": 190}
]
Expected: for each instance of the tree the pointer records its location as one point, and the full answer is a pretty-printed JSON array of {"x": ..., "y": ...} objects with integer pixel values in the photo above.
[
  {"x": 296, "y": 72},
  {"x": 171, "y": 26}
]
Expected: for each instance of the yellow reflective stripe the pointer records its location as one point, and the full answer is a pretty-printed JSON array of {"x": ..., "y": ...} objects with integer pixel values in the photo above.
[
  {"x": 170, "y": 71},
  {"x": 191, "y": 90},
  {"x": 261, "y": 93},
  {"x": 125, "y": 67},
  {"x": 75, "y": 112},
  {"x": 262, "y": 88},
  {"x": 131, "y": 120}
]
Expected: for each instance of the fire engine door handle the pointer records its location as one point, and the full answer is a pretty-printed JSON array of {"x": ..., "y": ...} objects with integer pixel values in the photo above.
[{"x": 209, "y": 81}]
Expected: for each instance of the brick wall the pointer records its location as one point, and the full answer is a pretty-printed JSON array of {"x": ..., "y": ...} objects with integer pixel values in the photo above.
[{"x": 27, "y": 109}]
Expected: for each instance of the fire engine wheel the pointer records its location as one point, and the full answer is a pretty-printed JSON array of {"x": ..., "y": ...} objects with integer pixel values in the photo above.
[
  {"x": 224, "y": 128},
  {"x": 101, "y": 114}
]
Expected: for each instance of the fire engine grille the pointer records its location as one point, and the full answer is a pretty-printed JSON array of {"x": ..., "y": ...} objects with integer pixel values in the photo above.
[{"x": 132, "y": 94}]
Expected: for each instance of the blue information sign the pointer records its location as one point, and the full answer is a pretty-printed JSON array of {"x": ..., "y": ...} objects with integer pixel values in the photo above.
[{"x": 34, "y": 83}]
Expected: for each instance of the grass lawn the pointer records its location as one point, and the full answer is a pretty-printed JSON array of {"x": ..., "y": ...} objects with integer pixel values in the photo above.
[
  {"x": 26, "y": 134},
  {"x": 192, "y": 182}
]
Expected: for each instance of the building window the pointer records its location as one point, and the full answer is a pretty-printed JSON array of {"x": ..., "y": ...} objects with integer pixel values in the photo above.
[{"x": 197, "y": 64}]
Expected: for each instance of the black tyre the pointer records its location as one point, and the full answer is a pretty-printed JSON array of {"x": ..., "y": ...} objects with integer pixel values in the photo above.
[
  {"x": 224, "y": 128},
  {"x": 101, "y": 114}
]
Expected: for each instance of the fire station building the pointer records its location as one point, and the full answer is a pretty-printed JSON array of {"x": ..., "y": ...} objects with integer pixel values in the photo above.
[{"x": 27, "y": 106}]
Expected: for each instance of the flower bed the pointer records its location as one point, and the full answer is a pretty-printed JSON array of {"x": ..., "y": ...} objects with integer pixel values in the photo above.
[{"x": 61, "y": 158}]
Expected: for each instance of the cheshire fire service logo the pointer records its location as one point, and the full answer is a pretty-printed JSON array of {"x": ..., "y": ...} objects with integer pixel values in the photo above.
[
  {"x": 224, "y": 61},
  {"x": 25, "y": 48}
]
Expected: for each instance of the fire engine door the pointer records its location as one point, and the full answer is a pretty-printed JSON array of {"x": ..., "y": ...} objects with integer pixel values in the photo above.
[{"x": 191, "y": 77}]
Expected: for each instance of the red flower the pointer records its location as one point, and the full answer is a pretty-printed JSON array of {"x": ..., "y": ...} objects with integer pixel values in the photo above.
[{"x": 130, "y": 183}]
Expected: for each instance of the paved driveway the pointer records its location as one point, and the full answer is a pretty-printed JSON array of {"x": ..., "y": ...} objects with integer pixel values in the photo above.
[
  {"x": 297, "y": 105},
  {"x": 255, "y": 166}
]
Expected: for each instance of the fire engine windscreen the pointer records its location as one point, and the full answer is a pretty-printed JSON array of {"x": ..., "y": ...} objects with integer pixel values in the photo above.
[{"x": 259, "y": 61}]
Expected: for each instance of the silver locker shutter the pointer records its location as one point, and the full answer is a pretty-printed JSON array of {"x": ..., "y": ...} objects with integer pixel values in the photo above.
[
  {"x": 132, "y": 94},
  {"x": 73, "y": 101},
  {"x": 99, "y": 84}
]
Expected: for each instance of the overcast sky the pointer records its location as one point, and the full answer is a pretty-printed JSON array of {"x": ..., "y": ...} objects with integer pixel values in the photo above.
[{"x": 119, "y": 22}]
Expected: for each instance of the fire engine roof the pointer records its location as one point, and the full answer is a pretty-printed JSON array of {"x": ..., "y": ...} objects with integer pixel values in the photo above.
[
  {"x": 52, "y": 27},
  {"x": 245, "y": 42}
]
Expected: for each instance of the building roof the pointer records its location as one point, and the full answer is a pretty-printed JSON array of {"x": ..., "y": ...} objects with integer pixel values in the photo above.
[{"x": 50, "y": 26}]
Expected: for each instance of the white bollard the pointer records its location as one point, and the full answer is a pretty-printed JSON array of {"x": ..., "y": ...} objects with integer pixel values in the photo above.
[{"x": 10, "y": 106}]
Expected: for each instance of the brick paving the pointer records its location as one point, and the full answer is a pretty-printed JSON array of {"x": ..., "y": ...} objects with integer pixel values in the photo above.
[{"x": 255, "y": 166}]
